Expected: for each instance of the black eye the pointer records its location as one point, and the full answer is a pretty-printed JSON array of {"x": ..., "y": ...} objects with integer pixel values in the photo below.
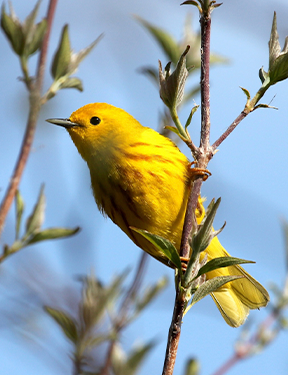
[{"x": 95, "y": 120}]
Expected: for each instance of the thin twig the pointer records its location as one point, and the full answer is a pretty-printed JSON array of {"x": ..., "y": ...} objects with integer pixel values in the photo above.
[
  {"x": 229, "y": 130},
  {"x": 120, "y": 322},
  {"x": 35, "y": 105},
  {"x": 135, "y": 285},
  {"x": 203, "y": 155},
  {"x": 227, "y": 365}
]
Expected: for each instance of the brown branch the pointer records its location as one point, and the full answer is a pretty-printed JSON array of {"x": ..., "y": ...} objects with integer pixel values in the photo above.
[
  {"x": 174, "y": 334},
  {"x": 35, "y": 105},
  {"x": 204, "y": 154},
  {"x": 205, "y": 22},
  {"x": 229, "y": 130}
]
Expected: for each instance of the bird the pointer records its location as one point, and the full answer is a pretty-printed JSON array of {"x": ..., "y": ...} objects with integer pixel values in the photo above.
[{"x": 141, "y": 179}]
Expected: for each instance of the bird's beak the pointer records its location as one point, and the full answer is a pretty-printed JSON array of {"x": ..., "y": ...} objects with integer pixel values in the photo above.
[{"x": 65, "y": 122}]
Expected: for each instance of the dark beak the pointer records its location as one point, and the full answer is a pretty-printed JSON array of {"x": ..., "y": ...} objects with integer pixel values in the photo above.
[{"x": 65, "y": 122}]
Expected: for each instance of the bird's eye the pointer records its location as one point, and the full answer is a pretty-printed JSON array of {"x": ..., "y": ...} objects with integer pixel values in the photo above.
[{"x": 95, "y": 120}]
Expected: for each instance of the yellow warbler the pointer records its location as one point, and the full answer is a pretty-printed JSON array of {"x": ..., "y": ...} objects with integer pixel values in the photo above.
[{"x": 140, "y": 179}]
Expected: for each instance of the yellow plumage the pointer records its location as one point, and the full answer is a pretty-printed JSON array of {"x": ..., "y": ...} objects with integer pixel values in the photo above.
[{"x": 140, "y": 179}]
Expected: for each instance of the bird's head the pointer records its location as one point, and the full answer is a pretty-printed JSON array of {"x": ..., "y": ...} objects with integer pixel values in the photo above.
[{"x": 96, "y": 127}]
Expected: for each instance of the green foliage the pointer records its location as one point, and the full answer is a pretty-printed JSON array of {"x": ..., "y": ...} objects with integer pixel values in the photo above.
[
  {"x": 172, "y": 84},
  {"x": 25, "y": 38},
  {"x": 124, "y": 364},
  {"x": 278, "y": 60},
  {"x": 192, "y": 367},
  {"x": 221, "y": 262},
  {"x": 211, "y": 286},
  {"x": 97, "y": 303},
  {"x": 66, "y": 322},
  {"x": 164, "y": 245},
  {"x": 62, "y": 56},
  {"x": 34, "y": 222},
  {"x": 65, "y": 63}
]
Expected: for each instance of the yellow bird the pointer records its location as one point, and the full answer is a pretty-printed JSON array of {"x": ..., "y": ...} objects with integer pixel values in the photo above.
[{"x": 140, "y": 179}]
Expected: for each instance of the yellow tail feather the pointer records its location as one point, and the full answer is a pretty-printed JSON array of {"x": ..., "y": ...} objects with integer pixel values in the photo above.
[{"x": 235, "y": 299}]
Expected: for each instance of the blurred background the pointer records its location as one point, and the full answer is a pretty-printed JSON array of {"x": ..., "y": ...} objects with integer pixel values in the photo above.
[{"x": 249, "y": 172}]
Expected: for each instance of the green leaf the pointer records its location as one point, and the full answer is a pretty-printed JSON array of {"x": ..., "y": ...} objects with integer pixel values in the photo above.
[
  {"x": 52, "y": 233},
  {"x": 19, "y": 212},
  {"x": 246, "y": 92},
  {"x": 192, "y": 367},
  {"x": 263, "y": 75},
  {"x": 96, "y": 298},
  {"x": 37, "y": 38},
  {"x": 136, "y": 358},
  {"x": 274, "y": 45},
  {"x": 166, "y": 41},
  {"x": 216, "y": 5},
  {"x": 35, "y": 220},
  {"x": 172, "y": 85},
  {"x": 16, "y": 246},
  {"x": 94, "y": 301},
  {"x": 72, "y": 83},
  {"x": 203, "y": 237},
  {"x": 278, "y": 60},
  {"x": 13, "y": 31},
  {"x": 211, "y": 286},
  {"x": 29, "y": 22},
  {"x": 150, "y": 293},
  {"x": 162, "y": 244},
  {"x": 221, "y": 262},
  {"x": 29, "y": 29},
  {"x": 67, "y": 323},
  {"x": 97, "y": 340},
  {"x": 118, "y": 359},
  {"x": 76, "y": 58},
  {"x": 192, "y": 2},
  {"x": 62, "y": 56},
  {"x": 279, "y": 69},
  {"x": 173, "y": 129},
  {"x": 261, "y": 105},
  {"x": 194, "y": 109}
]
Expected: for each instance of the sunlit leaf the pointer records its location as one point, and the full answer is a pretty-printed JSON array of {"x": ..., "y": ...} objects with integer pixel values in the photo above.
[
  {"x": 52, "y": 233},
  {"x": 211, "y": 286},
  {"x": 35, "y": 220},
  {"x": 162, "y": 244},
  {"x": 221, "y": 262},
  {"x": 66, "y": 322},
  {"x": 19, "y": 211}
]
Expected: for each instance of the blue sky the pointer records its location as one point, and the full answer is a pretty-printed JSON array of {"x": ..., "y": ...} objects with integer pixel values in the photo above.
[{"x": 249, "y": 172}]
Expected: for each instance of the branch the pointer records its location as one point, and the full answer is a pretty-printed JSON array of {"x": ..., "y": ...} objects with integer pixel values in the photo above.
[
  {"x": 203, "y": 156},
  {"x": 249, "y": 107},
  {"x": 35, "y": 105},
  {"x": 174, "y": 334},
  {"x": 229, "y": 130},
  {"x": 205, "y": 22}
]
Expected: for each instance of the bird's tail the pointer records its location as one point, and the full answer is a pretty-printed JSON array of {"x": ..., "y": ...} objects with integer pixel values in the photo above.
[{"x": 235, "y": 299}]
